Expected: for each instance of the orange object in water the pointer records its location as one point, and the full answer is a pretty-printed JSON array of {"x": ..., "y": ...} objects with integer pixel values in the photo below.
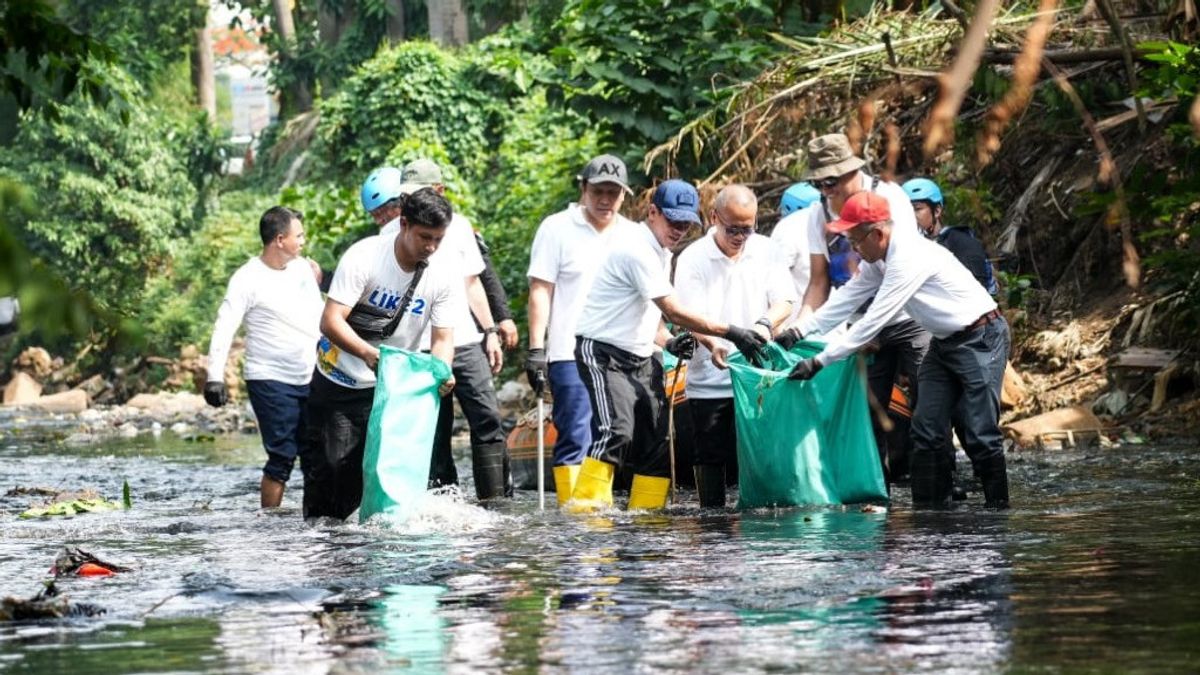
[{"x": 93, "y": 570}]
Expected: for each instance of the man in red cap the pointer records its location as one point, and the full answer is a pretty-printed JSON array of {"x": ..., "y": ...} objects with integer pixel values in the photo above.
[{"x": 965, "y": 362}]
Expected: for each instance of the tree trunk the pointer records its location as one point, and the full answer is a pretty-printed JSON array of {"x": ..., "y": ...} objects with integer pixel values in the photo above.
[
  {"x": 447, "y": 22},
  {"x": 395, "y": 21},
  {"x": 203, "y": 76},
  {"x": 332, "y": 23},
  {"x": 297, "y": 97}
]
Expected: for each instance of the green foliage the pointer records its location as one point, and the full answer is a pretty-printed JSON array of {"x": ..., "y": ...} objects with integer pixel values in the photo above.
[
  {"x": 112, "y": 194},
  {"x": 1178, "y": 72},
  {"x": 46, "y": 302},
  {"x": 648, "y": 66},
  {"x": 181, "y": 299},
  {"x": 412, "y": 90},
  {"x": 542, "y": 151},
  {"x": 149, "y": 36},
  {"x": 42, "y": 59},
  {"x": 1014, "y": 287},
  {"x": 458, "y": 189}
]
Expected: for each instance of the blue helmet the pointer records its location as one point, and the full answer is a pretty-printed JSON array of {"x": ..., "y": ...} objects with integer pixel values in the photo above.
[
  {"x": 797, "y": 197},
  {"x": 923, "y": 190},
  {"x": 383, "y": 185}
]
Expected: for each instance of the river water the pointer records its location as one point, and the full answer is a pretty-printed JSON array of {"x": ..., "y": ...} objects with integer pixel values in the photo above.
[{"x": 1096, "y": 568}]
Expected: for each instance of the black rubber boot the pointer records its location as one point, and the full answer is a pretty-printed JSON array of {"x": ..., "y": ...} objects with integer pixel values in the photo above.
[
  {"x": 487, "y": 466},
  {"x": 710, "y": 485},
  {"x": 993, "y": 474},
  {"x": 932, "y": 478}
]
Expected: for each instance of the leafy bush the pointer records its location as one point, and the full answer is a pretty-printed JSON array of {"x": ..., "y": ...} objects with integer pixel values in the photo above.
[
  {"x": 415, "y": 89},
  {"x": 181, "y": 300},
  {"x": 542, "y": 151},
  {"x": 648, "y": 66},
  {"x": 112, "y": 189}
]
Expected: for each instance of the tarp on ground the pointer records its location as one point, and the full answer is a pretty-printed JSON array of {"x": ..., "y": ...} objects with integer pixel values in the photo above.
[
  {"x": 803, "y": 442},
  {"x": 400, "y": 432}
]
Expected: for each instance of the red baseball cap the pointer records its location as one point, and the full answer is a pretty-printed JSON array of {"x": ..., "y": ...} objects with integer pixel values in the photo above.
[{"x": 861, "y": 207}]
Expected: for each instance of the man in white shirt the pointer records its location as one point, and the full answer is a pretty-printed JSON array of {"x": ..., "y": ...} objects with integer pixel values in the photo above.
[
  {"x": 384, "y": 291},
  {"x": 964, "y": 369},
  {"x": 476, "y": 357},
  {"x": 790, "y": 235},
  {"x": 276, "y": 296},
  {"x": 837, "y": 172},
  {"x": 616, "y": 340},
  {"x": 567, "y": 250},
  {"x": 732, "y": 275}
]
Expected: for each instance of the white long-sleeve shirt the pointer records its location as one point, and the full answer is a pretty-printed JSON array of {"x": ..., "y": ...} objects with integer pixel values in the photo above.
[
  {"x": 282, "y": 313},
  {"x": 920, "y": 277}
]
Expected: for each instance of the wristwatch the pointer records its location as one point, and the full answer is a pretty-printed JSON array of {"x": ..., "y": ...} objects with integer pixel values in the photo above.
[
  {"x": 491, "y": 330},
  {"x": 765, "y": 323}
]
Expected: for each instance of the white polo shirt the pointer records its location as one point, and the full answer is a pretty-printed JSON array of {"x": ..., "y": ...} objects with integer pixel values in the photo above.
[
  {"x": 368, "y": 274},
  {"x": 903, "y": 218},
  {"x": 620, "y": 308},
  {"x": 566, "y": 252},
  {"x": 282, "y": 313},
  {"x": 790, "y": 238},
  {"x": 921, "y": 277},
  {"x": 738, "y": 292},
  {"x": 458, "y": 252}
]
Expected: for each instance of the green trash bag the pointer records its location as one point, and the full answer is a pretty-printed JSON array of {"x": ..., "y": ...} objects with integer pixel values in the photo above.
[
  {"x": 803, "y": 442},
  {"x": 400, "y": 433}
]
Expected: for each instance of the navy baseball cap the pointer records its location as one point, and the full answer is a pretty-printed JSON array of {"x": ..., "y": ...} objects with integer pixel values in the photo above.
[{"x": 678, "y": 201}]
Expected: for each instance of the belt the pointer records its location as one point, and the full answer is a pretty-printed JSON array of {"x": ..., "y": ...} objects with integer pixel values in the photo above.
[{"x": 981, "y": 321}]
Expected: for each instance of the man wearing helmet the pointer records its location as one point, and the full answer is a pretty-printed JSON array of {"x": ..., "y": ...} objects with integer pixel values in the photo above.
[
  {"x": 928, "y": 206},
  {"x": 476, "y": 357}
]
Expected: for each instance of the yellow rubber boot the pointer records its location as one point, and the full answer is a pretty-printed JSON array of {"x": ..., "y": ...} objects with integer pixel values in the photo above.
[
  {"x": 648, "y": 493},
  {"x": 564, "y": 481},
  {"x": 593, "y": 488}
]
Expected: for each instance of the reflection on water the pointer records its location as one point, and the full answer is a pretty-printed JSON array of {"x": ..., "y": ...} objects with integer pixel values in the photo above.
[{"x": 1092, "y": 571}]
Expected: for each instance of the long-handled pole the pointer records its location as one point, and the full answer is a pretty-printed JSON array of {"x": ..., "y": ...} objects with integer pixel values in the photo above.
[
  {"x": 541, "y": 449},
  {"x": 671, "y": 424}
]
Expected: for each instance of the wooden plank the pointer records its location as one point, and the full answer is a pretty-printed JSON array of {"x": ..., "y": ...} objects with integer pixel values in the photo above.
[{"x": 1143, "y": 358}]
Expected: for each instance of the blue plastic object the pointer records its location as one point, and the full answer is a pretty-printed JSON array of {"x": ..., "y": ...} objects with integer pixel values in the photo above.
[
  {"x": 796, "y": 197},
  {"x": 922, "y": 190},
  {"x": 383, "y": 185}
]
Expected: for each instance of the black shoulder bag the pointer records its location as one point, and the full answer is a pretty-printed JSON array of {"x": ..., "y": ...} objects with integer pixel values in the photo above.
[{"x": 372, "y": 324}]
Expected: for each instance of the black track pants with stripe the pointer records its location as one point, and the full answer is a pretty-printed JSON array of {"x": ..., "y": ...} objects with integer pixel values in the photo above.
[{"x": 629, "y": 407}]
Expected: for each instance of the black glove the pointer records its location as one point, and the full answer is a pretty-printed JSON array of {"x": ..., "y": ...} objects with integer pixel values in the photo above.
[
  {"x": 805, "y": 370},
  {"x": 536, "y": 370},
  {"x": 747, "y": 341},
  {"x": 788, "y": 338},
  {"x": 682, "y": 346},
  {"x": 215, "y": 394}
]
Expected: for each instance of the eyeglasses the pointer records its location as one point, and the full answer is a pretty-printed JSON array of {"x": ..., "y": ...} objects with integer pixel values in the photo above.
[
  {"x": 855, "y": 243},
  {"x": 680, "y": 225},
  {"x": 735, "y": 230},
  {"x": 826, "y": 183}
]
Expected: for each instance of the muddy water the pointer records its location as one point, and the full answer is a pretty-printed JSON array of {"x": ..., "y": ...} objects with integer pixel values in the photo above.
[{"x": 1095, "y": 569}]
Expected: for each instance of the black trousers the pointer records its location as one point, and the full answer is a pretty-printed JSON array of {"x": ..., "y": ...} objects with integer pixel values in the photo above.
[
  {"x": 629, "y": 407},
  {"x": 476, "y": 394},
  {"x": 715, "y": 434},
  {"x": 331, "y": 456},
  {"x": 902, "y": 347}
]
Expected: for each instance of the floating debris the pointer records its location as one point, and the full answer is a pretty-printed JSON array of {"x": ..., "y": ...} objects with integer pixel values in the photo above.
[{"x": 47, "y": 604}]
